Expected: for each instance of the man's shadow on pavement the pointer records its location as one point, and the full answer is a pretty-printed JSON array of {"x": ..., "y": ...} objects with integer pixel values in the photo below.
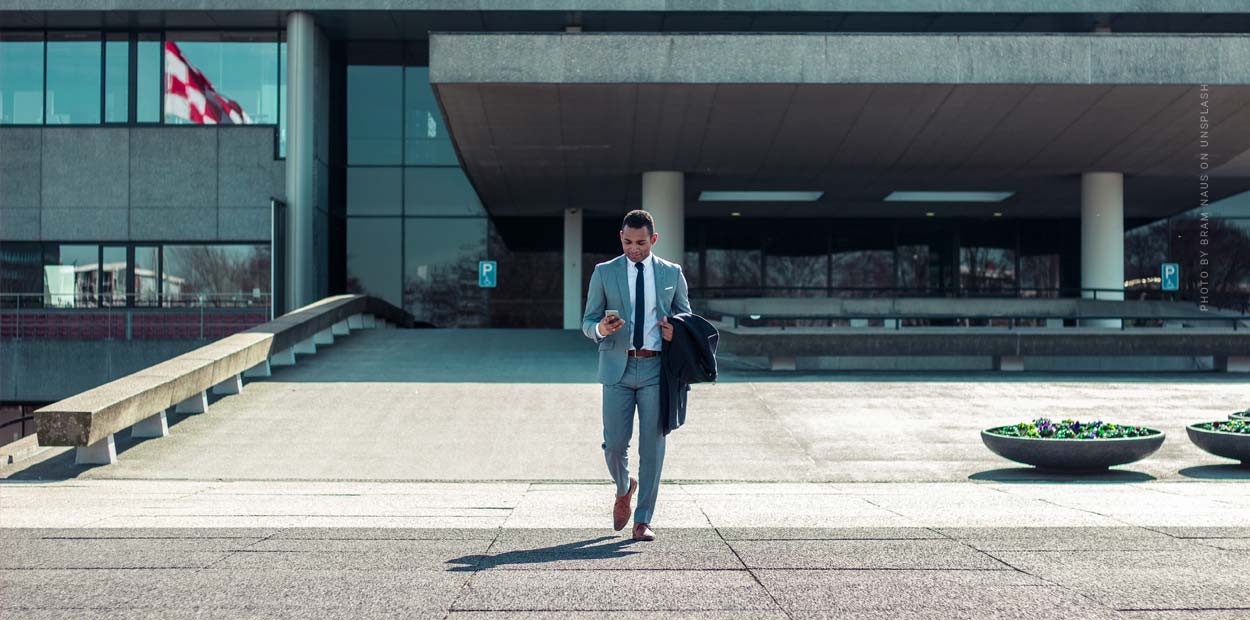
[{"x": 583, "y": 550}]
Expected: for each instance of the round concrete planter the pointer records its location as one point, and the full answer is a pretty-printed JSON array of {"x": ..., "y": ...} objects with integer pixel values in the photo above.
[
  {"x": 1072, "y": 454},
  {"x": 1234, "y": 446},
  {"x": 1240, "y": 415}
]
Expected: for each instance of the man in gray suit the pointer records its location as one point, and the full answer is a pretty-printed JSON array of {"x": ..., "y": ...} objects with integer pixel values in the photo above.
[{"x": 644, "y": 290}]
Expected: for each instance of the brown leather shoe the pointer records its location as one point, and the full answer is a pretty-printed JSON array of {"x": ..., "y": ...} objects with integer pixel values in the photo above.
[
  {"x": 620, "y": 512},
  {"x": 642, "y": 531}
]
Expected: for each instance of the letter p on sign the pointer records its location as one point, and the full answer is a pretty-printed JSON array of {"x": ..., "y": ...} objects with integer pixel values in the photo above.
[
  {"x": 487, "y": 274},
  {"x": 1171, "y": 276}
]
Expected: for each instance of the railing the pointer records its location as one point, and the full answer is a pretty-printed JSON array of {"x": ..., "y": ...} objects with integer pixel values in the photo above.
[
  {"x": 46, "y": 316},
  {"x": 1009, "y": 322},
  {"x": 1225, "y": 301}
]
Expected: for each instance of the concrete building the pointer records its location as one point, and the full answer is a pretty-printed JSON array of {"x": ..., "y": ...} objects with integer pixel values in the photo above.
[{"x": 840, "y": 149}]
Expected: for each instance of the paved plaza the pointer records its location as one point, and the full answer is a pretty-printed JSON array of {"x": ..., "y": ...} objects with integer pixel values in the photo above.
[{"x": 385, "y": 477}]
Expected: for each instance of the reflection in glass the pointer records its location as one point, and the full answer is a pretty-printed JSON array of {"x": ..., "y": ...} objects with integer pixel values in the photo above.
[
  {"x": 70, "y": 275},
  {"x": 439, "y": 191},
  {"x": 21, "y": 78},
  {"x": 797, "y": 264},
  {"x": 913, "y": 269},
  {"x": 116, "y": 78},
  {"x": 374, "y": 114},
  {"x": 1227, "y": 254},
  {"x": 1039, "y": 272},
  {"x": 242, "y": 67},
  {"x": 373, "y": 257},
  {"x": 217, "y": 275},
  {"x": 1145, "y": 251},
  {"x": 282, "y": 97},
  {"x": 148, "y": 79},
  {"x": 374, "y": 191},
  {"x": 862, "y": 257},
  {"x": 987, "y": 256},
  {"x": 113, "y": 277},
  {"x": 145, "y": 273},
  {"x": 73, "y": 94},
  {"x": 529, "y": 291},
  {"x": 440, "y": 269},
  {"x": 21, "y": 272},
  {"x": 425, "y": 137}
]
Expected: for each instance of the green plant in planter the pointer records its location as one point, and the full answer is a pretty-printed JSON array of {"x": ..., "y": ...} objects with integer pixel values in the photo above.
[
  {"x": 1240, "y": 415},
  {"x": 1044, "y": 428},
  {"x": 1241, "y": 427}
]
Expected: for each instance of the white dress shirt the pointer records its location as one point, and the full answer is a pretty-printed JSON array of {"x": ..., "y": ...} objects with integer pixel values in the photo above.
[{"x": 651, "y": 336}]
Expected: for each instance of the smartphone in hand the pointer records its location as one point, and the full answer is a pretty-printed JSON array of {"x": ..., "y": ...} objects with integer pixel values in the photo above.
[{"x": 613, "y": 313}]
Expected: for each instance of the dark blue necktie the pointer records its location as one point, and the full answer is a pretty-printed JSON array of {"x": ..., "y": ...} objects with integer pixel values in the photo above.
[{"x": 640, "y": 307}]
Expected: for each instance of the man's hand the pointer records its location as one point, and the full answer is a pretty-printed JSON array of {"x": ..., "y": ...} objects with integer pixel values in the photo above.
[
  {"x": 610, "y": 325},
  {"x": 666, "y": 330}
]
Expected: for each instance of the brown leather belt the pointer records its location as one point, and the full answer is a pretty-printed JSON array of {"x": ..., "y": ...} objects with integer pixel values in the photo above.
[{"x": 642, "y": 353}]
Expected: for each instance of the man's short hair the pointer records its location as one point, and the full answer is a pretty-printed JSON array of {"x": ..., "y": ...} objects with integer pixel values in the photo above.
[{"x": 639, "y": 219}]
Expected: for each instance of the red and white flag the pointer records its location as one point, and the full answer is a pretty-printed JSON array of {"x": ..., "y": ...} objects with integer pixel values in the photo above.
[{"x": 189, "y": 95}]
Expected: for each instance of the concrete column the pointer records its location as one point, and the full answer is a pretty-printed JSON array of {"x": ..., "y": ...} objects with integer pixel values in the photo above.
[
  {"x": 355, "y": 321},
  {"x": 306, "y": 346},
  {"x": 664, "y": 197},
  {"x": 301, "y": 196},
  {"x": 573, "y": 269},
  {"x": 340, "y": 329},
  {"x": 325, "y": 336},
  {"x": 1102, "y": 238}
]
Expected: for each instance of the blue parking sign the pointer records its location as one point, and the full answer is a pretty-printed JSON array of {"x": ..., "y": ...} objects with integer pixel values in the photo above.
[
  {"x": 1171, "y": 277},
  {"x": 487, "y": 274}
]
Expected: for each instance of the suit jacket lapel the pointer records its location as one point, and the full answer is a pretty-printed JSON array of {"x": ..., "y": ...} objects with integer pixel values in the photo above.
[{"x": 661, "y": 280}]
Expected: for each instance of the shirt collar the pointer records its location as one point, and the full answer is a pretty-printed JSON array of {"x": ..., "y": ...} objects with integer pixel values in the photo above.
[{"x": 648, "y": 262}]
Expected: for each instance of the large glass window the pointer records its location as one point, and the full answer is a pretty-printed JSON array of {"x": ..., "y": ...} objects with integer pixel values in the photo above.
[
  {"x": 425, "y": 137},
  {"x": 73, "y": 90},
  {"x": 21, "y": 78},
  {"x": 374, "y": 114},
  {"x": 987, "y": 256},
  {"x": 113, "y": 276},
  {"x": 21, "y": 272},
  {"x": 374, "y": 252},
  {"x": 374, "y": 191},
  {"x": 1145, "y": 251},
  {"x": 862, "y": 257},
  {"x": 148, "y": 78},
  {"x": 732, "y": 259},
  {"x": 239, "y": 67},
  {"x": 797, "y": 264},
  {"x": 439, "y": 191},
  {"x": 530, "y": 290},
  {"x": 70, "y": 275},
  {"x": 220, "y": 275},
  {"x": 440, "y": 269},
  {"x": 282, "y": 97},
  {"x": 145, "y": 275},
  {"x": 117, "y": 78}
]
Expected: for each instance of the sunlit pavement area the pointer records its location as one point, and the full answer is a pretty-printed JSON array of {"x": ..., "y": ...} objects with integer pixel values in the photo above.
[{"x": 437, "y": 474}]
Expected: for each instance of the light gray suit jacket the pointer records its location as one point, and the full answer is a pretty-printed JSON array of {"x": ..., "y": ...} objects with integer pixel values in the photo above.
[{"x": 609, "y": 289}]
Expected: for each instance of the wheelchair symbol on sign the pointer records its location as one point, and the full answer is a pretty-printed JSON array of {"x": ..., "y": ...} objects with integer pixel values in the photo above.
[{"x": 486, "y": 274}]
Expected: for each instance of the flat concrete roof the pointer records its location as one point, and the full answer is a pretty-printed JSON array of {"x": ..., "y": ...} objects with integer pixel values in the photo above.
[{"x": 544, "y": 121}]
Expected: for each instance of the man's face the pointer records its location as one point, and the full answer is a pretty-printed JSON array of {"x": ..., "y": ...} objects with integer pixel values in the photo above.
[{"x": 637, "y": 243}]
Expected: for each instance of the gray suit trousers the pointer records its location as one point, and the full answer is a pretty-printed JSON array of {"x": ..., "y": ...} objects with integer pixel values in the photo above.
[{"x": 639, "y": 388}]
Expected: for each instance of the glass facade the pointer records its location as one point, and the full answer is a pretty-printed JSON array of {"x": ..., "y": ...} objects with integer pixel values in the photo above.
[
  {"x": 89, "y": 275},
  {"x": 85, "y": 77}
]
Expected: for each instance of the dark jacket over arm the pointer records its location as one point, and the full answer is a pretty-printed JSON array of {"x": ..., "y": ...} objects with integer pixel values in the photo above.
[{"x": 689, "y": 358}]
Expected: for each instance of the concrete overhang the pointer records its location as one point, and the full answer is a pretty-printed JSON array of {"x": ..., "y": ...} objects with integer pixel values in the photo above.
[{"x": 546, "y": 121}]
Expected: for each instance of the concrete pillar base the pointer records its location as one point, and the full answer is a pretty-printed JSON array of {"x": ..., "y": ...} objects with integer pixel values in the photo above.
[
  {"x": 306, "y": 346},
  {"x": 103, "y": 452},
  {"x": 1009, "y": 363},
  {"x": 155, "y": 426},
  {"x": 369, "y": 321},
  {"x": 260, "y": 370},
  {"x": 356, "y": 321},
  {"x": 325, "y": 336},
  {"x": 1232, "y": 363},
  {"x": 233, "y": 385},
  {"x": 195, "y": 404},
  {"x": 340, "y": 329},
  {"x": 283, "y": 358},
  {"x": 782, "y": 362}
]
